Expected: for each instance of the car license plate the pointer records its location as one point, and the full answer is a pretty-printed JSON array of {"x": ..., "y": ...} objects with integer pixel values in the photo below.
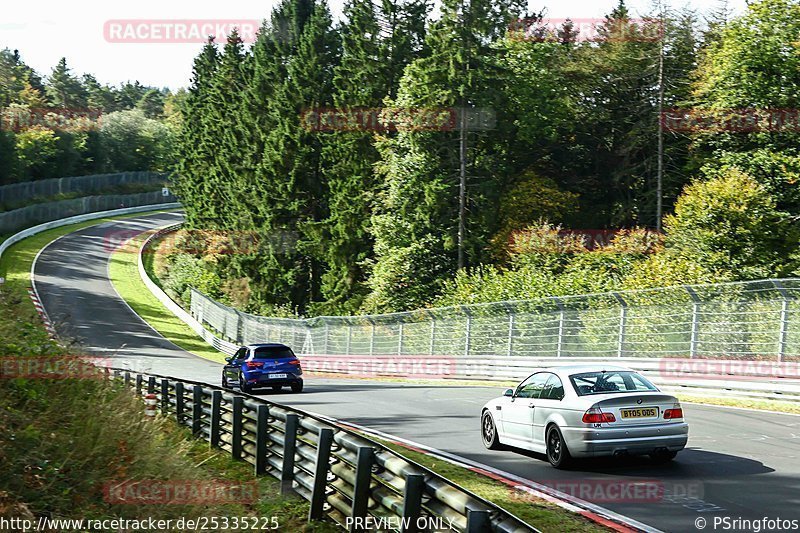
[
  {"x": 639, "y": 412},
  {"x": 277, "y": 376}
]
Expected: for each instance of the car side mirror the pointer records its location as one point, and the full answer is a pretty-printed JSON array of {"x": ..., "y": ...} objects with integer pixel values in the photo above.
[
  {"x": 229, "y": 359},
  {"x": 509, "y": 392}
]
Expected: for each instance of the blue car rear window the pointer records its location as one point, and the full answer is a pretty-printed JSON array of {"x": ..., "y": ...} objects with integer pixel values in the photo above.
[{"x": 272, "y": 353}]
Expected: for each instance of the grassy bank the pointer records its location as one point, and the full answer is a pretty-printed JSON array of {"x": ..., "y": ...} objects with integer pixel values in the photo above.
[
  {"x": 763, "y": 405},
  {"x": 62, "y": 441},
  {"x": 547, "y": 516},
  {"x": 124, "y": 273}
]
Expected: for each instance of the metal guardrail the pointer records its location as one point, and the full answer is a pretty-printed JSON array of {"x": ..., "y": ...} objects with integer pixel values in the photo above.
[
  {"x": 24, "y": 217},
  {"x": 24, "y": 234},
  {"x": 342, "y": 473}
]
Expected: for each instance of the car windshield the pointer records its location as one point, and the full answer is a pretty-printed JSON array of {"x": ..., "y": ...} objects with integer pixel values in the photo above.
[
  {"x": 272, "y": 352},
  {"x": 604, "y": 382}
]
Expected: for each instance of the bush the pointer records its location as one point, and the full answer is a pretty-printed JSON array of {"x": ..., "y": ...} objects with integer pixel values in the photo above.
[
  {"x": 409, "y": 277},
  {"x": 549, "y": 263},
  {"x": 532, "y": 199},
  {"x": 37, "y": 153},
  {"x": 131, "y": 141},
  {"x": 729, "y": 225},
  {"x": 185, "y": 272},
  {"x": 544, "y": 245},
  {"x": 777, "y": 171}
]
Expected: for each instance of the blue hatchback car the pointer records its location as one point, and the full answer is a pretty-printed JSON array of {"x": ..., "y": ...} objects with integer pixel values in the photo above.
[{"x": 263, "y": 365}]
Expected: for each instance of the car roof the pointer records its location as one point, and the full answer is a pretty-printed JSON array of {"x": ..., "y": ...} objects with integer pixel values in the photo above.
[
  {"x": 267, "y": 345},
  {"x": 580, "y": 369}
]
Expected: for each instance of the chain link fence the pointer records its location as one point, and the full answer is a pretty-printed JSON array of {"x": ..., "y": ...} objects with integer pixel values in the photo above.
[
  {"x": 16, "y": 193},
  {"x": 755, "y": 320},
  {"x": 17, "y": 219}
]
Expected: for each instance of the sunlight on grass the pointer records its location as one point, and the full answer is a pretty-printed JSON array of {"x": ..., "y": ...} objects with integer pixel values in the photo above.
[
  {"x": 766, "y": 405},
  {"x": 542, "y": 514},
  {"x": 124, "y": 274}
]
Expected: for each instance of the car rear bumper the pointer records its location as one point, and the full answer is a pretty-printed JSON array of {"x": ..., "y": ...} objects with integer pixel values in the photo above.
[
  {"x": 592, "y": 442},
  {"x": 264, "y": 380}
]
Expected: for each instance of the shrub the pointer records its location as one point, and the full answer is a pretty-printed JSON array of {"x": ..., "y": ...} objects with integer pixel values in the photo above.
[
  {"x": 37, "y": 153},
  {"x": 532, "y": 199},
  {"x": 730, "y": 225},
  {"x": 186, "y": 272}
]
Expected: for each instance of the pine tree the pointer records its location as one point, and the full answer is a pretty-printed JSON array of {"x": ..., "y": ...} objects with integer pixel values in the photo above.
[
  {"x": 289, "y": 182},
  {"x": 228, "y": 82},
  {"x": 129, "y": 94},
  {"x": 419, "y": 218},
  {"x": 15, "y": 76},
  {"x": 64, "y": 89},
  {"x": 196, "y": 145},
  {"x": 152, "y": 103},
  {"x": 99, "y": 97},
  {"x": 377, "y": 43}
]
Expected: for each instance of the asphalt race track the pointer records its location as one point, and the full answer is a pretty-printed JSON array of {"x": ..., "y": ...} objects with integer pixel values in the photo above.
[{"x": 738, "y": 464}]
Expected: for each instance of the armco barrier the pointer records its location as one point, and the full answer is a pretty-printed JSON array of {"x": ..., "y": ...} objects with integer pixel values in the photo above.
[
  {"x": 222, "y": 345},
  {"x": 757, "y": 379},
  {"x": 343, "y": 474},
  {"x": 50, "y": 211},
  {"x": 24, "y": 234}
]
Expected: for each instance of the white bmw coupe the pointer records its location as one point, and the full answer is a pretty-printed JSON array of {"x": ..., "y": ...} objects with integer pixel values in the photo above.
[{"x": 586, "y": 411}]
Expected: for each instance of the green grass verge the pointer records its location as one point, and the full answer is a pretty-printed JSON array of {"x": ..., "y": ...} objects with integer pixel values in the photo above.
[
  {"x": 765, "y": 405},
  {"x": 546, "y": 516},
  {"x": 124, "y": 273},
  {"x": 63, "y": 440}
]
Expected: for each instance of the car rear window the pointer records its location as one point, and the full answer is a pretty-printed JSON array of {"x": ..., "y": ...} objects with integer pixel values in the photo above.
[
  {"x": 272, "y": 352},
  {"x": 610, "y": 381}
]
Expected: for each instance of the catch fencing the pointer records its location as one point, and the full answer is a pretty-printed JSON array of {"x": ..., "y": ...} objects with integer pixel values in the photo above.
[
  {"x": 341, "y": 473},
  {"x": 16, "y": 193},
  {"x": 17, "y": 219},
  {"x": 756, "y": 320}
]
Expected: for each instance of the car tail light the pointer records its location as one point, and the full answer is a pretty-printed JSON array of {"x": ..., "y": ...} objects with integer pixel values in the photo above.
[
  {"x": 596, "y": 416},
  {"x": 295, "y": 362},
  {"x": 254, "y": 364},
  {"x": 675, "y": 412}
]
